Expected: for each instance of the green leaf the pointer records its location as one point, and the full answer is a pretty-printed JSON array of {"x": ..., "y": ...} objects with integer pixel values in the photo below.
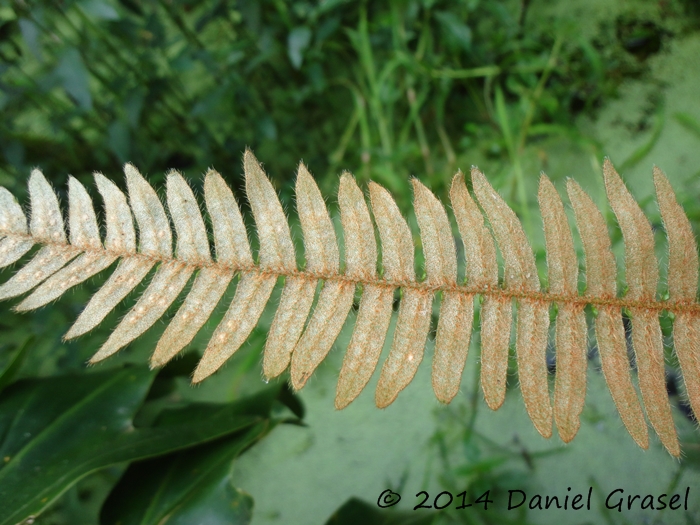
[
  {"x": 459, "y": 32},
  {"x": 74, "y": 77},
  {"x": 643, "y": 150},
  {"x": 30, "y": 34},
  {"x": 356, "y": 511},
  {"x": 298, "y": 40},
  {"x": 99, "y": 10},
  {"x": 119, "y": 140},
  {"x": 192, "y": 486},
  {"x": 11, "y": 361},
  {"x": 56, "y": 430},
  {"x": 504, "y": 121},
  {"x": 688, "y": 123}
]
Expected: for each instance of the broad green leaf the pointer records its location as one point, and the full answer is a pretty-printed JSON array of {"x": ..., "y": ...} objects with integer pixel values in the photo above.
[
  {"x": 11, "y": 361},
  {"x": 118, "y": 134},
  {"x": 56, "y": 430},
  {"x": 191, "y": 486},
  {"x": 73, "y": 74},
  {"x": 356, "y": 511},
  {"x": 30, "y": 34},
  {"x": 298, "y": 40},
  {"x": 99, "y": 10}
]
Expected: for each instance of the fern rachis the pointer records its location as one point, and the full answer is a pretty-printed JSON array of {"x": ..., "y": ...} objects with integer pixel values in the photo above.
[{"x": 300, "y": 338}]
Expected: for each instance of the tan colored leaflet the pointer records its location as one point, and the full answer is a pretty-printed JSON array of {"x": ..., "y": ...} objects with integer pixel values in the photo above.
[
  {"x": 192, "y": 242},
  {"x": 231, "y": 243},
  {"x": 415, "y": 309},
  {"x": 46, "y": 226},
  {"x": 320, "y": 244},
  {"x": 452, "y": 344},
  {"x": 533, "y": 316},
  {"x": 252, "y": 294},
  {"x": 682, "y": 246},
  {"x": 456, "y": 311},
  {"x": 155, "y": 236},
  {"x": 254, "y": 289},
  {"x": 288, "y": 324},
  {"x": 395, "y": 235},
  {"x": 642, "y": 275},
  {"x": 46, "y": 223},
  {"x": 482, "y": 272},
  {"x": 15, "y": 240},
  {"x": 360, "y": 245},
  {"x": 407, "y": 347},
  {"x": 334, "y": 303},
  {"x": 479, "y": 249},
  {"x": 121, "y": 236},
  {"x": 362, "y": 356},
  {"x": 601, "y": 281},
  {"x": 120, "y": 239},
  {"x": 496, "y": 320},
  {"x": 207, "y": 289},
  {"x": 298, "y": 293},
  {"x": 276, "y": 248},
  {"x": 374, "y": 314},
  {"x": 686, "y": 338},
  {"x": 682, "y": 285},
  {"x": 232, "y": 249},
  {"x": 335, "y": 299},
  {"x": 436, "y": 237},
  {"x": 571, "y": 334},
  {"x": 167, "y": 283},
  {"x": 82, "y": 222},
  {"x": 85, "y": 234}
]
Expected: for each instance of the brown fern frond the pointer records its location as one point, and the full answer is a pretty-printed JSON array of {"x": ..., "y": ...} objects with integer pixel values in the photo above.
[
  {"x": 571, "y": 331},
  {"x": 374, "y": 314},
  {"x": 335, "y": 299},
  {"x": 682, "y": 285},
  {"x": 457, "y": 310},
  {"x": 642, "y": 276},
  {"x": 482, "y": 274},
  {"x": 601, "y": 283},
  {"x": 299, "y": 338},
  {"x": 520, "y": 275}
]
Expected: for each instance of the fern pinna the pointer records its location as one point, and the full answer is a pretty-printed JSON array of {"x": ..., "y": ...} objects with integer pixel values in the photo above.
[{"x": 300, "y": 340}]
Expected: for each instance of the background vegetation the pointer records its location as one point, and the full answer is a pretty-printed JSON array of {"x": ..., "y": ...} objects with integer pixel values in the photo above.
[{"x": 387, "y": 90}]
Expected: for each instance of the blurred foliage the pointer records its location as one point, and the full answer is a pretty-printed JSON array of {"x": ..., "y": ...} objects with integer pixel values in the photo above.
[
  {"x": 87, "y": 85},
  {"x": 385, "y": 89},
  {"x": 469, "y": 458}
]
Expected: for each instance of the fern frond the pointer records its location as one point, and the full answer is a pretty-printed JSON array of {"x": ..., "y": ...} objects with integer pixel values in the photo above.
[
  {"x": 570, "y": 330},
  {"x": 299, "y": 338},
  {"x": 520, "y": 274}
]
